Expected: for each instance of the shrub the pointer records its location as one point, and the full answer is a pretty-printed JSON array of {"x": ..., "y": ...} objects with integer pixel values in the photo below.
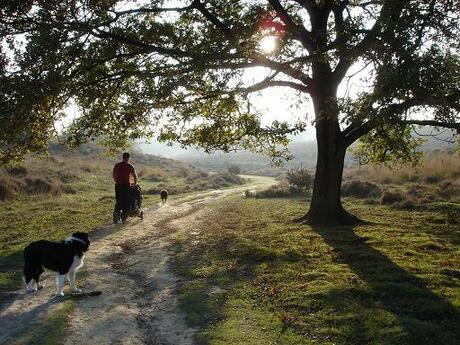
[
  {"x": 40, "y": 186},
  {"x": 453, "y": 216},
  {"x": 86, "y": 169},
  {"x": 182, "y": 172},
  {"x": 249, "y": 194},
  {"x": 151, "y": 174},
  {"x": 415, "y": 190},
  {"x": 447, "y": 190},
  {"x": 196, "y": 176},
  {"x": 390, "y": 197},
  {"x": 371, "y": 201},
  {"x": 224, "y": 180},
  {"x": 5, "y": 192},
  {"x": 18, "y": 171},
  {"x": 67, "y": 176},
  {"x": 300, "y": 178},
  {"x": 361, "y": 189},
  {"x": 234, "y": 169},
  {"x": 280, "y": 190},
  {"x": 69, "y": 190},
  {"x": 432, "y": 179},
  {"x": 9, "y": 187},
  {"x": 406, "y": 204},
  {"x": 386, "y": 180}
]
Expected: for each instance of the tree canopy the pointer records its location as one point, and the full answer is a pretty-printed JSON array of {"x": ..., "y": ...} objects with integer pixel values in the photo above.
[{"x": 178, "y": 69}]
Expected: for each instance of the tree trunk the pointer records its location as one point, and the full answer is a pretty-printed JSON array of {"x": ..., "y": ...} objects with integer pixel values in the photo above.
[{"x": 326, "y": 208}]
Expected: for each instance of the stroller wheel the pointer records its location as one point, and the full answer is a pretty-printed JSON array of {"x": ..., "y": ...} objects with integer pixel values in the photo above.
[
  {"x": 141, "y": 215},
  {"x": 116, "y": 218}
]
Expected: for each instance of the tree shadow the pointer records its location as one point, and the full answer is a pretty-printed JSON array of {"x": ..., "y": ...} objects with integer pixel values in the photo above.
[
  {"x": 425, "y": 317},
  {"x": 19, "y": 322},
  {"x": 11, "y": 270},
  {"x": 231, "y": 261}
]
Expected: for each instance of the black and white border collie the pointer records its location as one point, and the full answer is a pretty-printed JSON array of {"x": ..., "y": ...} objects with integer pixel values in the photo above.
[{"x": 64, "y": 257}]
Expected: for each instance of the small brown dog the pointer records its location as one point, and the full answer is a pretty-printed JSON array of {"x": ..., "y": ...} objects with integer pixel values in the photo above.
[{"x": 163, "y": 196}]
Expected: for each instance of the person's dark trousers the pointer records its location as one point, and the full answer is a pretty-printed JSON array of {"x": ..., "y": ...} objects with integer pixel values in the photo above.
[{"x": 122, "y": 198}]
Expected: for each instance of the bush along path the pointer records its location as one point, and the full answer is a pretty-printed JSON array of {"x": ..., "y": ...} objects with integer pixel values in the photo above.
[{"x": 131, "y": 266}]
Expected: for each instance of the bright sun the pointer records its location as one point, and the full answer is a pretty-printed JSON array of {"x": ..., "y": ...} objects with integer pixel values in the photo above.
[{"x": 268, "y": 44}]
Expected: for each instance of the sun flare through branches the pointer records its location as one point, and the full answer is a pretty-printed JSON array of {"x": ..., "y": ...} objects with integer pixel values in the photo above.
[{"x": 268, "y": 44}]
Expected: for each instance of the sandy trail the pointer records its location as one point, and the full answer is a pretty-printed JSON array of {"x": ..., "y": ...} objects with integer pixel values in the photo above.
[{"x": 131, "y": 265}]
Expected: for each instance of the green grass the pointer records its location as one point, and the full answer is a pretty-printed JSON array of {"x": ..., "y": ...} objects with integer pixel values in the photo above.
[{"x": 253, "y": 276}]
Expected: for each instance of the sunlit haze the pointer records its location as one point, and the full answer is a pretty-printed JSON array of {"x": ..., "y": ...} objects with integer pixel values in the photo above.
[{"x": 268, "y": 44}]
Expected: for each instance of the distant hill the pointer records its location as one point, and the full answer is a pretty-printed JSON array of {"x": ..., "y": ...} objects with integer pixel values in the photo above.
[
  {"x": 88, "y": 167},
  {"x": 92, "y": 151},
  {"x": 304, "y": 153}
]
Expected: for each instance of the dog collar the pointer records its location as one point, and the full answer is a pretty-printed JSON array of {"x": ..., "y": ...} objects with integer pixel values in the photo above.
[{"x": 71, "y": 238}]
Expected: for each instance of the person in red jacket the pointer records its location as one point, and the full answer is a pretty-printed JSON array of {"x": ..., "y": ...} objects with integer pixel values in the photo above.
[{"x": 124, "y": 175}]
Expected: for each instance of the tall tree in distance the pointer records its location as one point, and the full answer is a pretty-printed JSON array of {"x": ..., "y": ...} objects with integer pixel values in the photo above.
[{"x": 180, "y": 69}]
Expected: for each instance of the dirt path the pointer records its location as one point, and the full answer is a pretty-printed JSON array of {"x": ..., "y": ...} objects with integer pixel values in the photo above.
[{"x": 131, "y": 265}]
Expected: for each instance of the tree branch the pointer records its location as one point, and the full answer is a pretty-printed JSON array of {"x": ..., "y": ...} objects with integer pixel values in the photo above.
[
  {"x": 451, "y": 125},
  {"x": 147, "y": 47},
  {"x": 265, "y": 84},
  {"x": 357, "y": 130},
  {"x": 299, "y": 31},
  {"x": 259, "y": 58},
  {"x": 153, "y": 10},
  {"x": 213, "y": 19},
  {"x": 388, "y": 15}
]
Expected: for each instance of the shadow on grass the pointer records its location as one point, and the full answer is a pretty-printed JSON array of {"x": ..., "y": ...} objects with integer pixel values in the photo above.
[
  {"x": 17, "y": 321},
  {"x": 47, "y": 327},
  {"x": 227, "y": 262},
  {"x": 424, "y": 317},
  {"x": 10, "y": 277}
]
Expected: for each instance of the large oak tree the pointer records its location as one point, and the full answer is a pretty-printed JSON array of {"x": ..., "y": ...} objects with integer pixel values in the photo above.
[{"x": 181, "y": 70}]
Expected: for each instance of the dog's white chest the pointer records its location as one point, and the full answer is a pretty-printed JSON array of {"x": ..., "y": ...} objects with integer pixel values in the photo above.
[{"x": 77, "y": 263}]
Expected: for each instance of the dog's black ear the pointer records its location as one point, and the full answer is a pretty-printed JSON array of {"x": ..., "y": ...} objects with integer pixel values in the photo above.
[{"x": 81, "y": 235}]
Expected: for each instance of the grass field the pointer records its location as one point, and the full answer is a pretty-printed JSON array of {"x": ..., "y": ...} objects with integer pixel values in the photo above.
[{"x": 252, "y": 276}]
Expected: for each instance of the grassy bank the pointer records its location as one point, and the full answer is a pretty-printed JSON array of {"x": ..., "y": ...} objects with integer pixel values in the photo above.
[{"x": 251, "y": 276}]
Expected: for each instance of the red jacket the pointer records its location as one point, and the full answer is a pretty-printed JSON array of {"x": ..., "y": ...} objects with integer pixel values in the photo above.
[{"x": 122, "y": 171}]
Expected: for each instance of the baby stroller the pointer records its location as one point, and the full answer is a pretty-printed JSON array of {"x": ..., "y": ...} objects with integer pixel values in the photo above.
[{"x": 131, "y": 205}]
